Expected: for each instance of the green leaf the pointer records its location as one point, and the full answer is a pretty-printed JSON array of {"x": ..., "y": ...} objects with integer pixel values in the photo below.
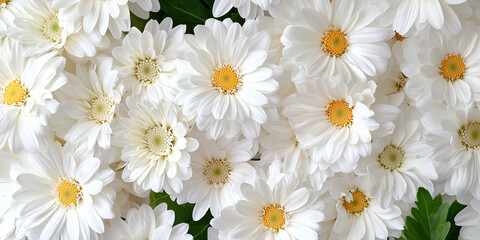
[
  {"x": 183, "y": 214},
  {"x": 454, "y": 209},
  {"x": 429, "y": 218}
]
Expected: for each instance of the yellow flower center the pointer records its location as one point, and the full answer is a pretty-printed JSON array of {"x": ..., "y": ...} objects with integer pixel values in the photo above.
[
  {"x": 4, "y": 1},
  {"x": 14, "y": 93},
  {"x": 399, "y": 37},
  {"x": 274, "y": 217},
  {"x": 52, "y": 29},
  {"x": 357, "y": 204},
  {"x": 217, "y": 172},
  {"x": 159, "y": 140},
  {"x": 226, "y": 80},
  {"x": 335, "y": 43},
  {"x": 340, "y": 113},
  {"x": 452, "y": 68},
  {"x": 69, "y": 192},
  {"x": 101, "y": 109},
  {"x": 470, "y": 135},
  {"x": 147, "y": 71},
  {"x": 391, "y": 157}
]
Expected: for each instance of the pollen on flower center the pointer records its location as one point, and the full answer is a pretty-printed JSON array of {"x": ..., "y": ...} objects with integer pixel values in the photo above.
[
  {"x": 52, "y": 29},
  {"x": 470, "y": 135},
  {"x": 399, "y": 37},
  {"x": 3, "y": 3},
  {"x": 357, "y": 203},
  {"x": 14, "y": 93},
  {"x": 452, "y": 67},
  {"x": 101, "y": 109},
  {"x": 159, "y": 140},
  {"x": 69, "y": 192},
  {"x": 217, "y": 171},
  {"x": 226, "y": 80},
  {"x": 340, "y": 113},
  {"x": 335, "y": 43},
  {"x": 147, "y": 71},
  {"x": 391, "y": 157},
  {"x": 274, "y": 217}
]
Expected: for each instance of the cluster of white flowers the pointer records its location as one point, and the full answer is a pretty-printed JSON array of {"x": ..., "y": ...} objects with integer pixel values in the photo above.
[{"x": 314, "y": 119}]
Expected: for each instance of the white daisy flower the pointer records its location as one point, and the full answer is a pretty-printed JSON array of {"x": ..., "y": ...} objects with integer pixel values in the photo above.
[
  {"x": 449, "y": 67},
  {"x": 90, "y": 102},
  {"x": 440, "y": 14},
  {"x": 26, "y": 101},
  {"x": 340, "y": 37},
  {"x": 247, "y": 9},
  {"x": 284, "y": 211},
  {"x": 469, "y": 221},
  {"x": 155, "y": 147},
  {"x": 66, "y": 193},
  {"x": 399, "y": 164},
  {"x": 219, "y": 168},
  {"x": 333, "y": 121},
  {"x": 147, "y": 223},
  {"x": 457, "y": 150},
  {"x": 231, "y": 86},
  {"x": 42, "y": 28},
  {"x": 8, "y": 10},
  {"x": 113, "y": 15},
  {"x": 142, "y": 8},
  {"x": 149, "y": 64},
  {"x": 360, "y": 215}
]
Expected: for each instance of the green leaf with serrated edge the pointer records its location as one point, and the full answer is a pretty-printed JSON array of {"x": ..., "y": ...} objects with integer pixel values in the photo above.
[
  {"x": 183, "y": 214},
  {"x": 429, "y": 218},
  {"x": 454, "y": 209}
]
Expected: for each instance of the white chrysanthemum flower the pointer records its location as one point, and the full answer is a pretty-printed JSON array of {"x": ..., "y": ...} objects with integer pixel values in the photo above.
[
  {"x": 449, "y": 67},
  {"x": 113, "y": 15},
  {"x": 440, "y": 14},
  {"x": 469, "y": 221},
  {"x": 219, "y": 168},
  {"x": 66, "y": 193},
  {"x": 457, "y": 150},
  {"x": 284, "y": 211},
  {"x": 145, "y": 223},
  {"x": 247, "y": 9},
  {"x": 142, "y": 8},
  {"x": 8, "y": 10},
  {"x": 334, "y": 121},
  {"x": 399, "y": 164},
  {"x": 89, "y": 104},
  {"x": 360, "y": 216},
  {"x": 340, "y": 37},
  {"x": 231, "y": 86},
  {"x": 26, "y": 101},
  {"x": 149, "y": 64},
  {"x": 155, "y": 147},
  {"x": 43, "y": 28}
]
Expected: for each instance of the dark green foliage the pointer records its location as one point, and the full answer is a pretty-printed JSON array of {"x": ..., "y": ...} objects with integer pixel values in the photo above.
[{"x": 183, "y": 214}]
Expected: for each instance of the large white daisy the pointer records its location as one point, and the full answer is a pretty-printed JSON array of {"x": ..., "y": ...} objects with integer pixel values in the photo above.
[
  {"x": 399, "y": 164},
  {"x": 360, "y": 215},
  {"x": 219, "y": 168},
  {"x": 334, "y": 121},
  {"x": 156, "y": 148},
  {"x": 89, "y": 104},
  {"x": 26, "y": 101},
  {"x": 338, "y": 37},
  {"x": 66, "y": 193},
  {"x": 43, "y": 28},
  {"x": 147, "y": 223},
  {"x": 231, "y": 86},
  {"x": 449, "y": 67},
  {"x": 149, "y": 64},
  {"x": 457, "y": 150},
  {"x": 285, "y": 211}
]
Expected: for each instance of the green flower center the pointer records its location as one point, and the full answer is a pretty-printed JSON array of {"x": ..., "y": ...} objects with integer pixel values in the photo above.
[{"x": 391, "y": 157}]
